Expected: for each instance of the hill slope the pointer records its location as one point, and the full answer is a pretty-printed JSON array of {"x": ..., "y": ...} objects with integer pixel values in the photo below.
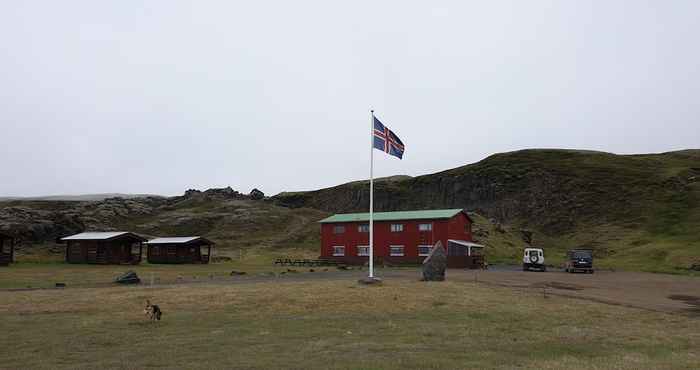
[
  {"x": 638, "y": 211},
  {"x": 80, "y": 197},
  {"x": 234, "y": 221}
]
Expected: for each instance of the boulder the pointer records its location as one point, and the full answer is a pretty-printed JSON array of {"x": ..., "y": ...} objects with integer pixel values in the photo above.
[
  {"x": 129, "y": 277},
  {"x": 435, "y": 264},
  {"x": 370, "y": 281},
  {"x": 256, "y": 194}
]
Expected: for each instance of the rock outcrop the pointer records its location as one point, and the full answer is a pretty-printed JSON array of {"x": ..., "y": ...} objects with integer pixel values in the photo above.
[
  {"x": 130, "y": 277},
  {"x": 256, "y": 194},
  {"x": 435, "y": 264}
]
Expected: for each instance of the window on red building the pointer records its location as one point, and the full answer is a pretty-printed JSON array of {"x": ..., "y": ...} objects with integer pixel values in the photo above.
[
  {"x": 363, "y": 229},
  {"x": 362, "y": 250},
  {"x": 396, "y": 251},
  {"x": 396, "y": 228},
  {"x": 424, "y": 250},
  {"x": 338, "y": 251},
  {"x": 338, "y": 229},
  {"x": 425, "y": 227}
]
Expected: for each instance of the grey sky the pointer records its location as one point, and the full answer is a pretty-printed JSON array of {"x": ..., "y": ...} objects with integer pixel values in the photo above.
[{"x": 118, "y": 96}]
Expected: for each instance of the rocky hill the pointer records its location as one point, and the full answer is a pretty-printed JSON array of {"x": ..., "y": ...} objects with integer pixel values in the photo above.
[
  {"x": 639, "y": 211},
  {"x": 635, "y": 211},
  {"x": 233, "y": 220},
  {"x": 81, "y": 197}
]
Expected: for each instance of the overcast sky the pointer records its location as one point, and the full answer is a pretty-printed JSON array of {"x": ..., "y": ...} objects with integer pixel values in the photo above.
[{"x": 161, "y": 96}]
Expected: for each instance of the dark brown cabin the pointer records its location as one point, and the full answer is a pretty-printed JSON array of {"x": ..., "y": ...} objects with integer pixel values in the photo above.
[
  {"x": 104, "y": 248},
  {"x": 7, "y": 249},
  {"x": 178, "y": 250},
  {"x": 464, "y": 254}
]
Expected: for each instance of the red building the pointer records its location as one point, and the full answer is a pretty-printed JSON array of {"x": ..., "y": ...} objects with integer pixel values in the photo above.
[{"x": 399, "y": 237}]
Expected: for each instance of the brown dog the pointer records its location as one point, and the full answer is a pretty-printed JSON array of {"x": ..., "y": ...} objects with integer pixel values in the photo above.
[{"x": 152, "y": 311}]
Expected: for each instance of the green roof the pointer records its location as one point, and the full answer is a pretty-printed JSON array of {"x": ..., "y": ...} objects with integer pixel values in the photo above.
[{"x": 393, "y": 216}]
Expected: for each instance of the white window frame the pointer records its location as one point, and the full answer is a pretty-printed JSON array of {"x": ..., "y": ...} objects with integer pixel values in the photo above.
[
  {"x": 359, "y": 254},
  {"x": 360, "y": 230},
  {"x": 396, "y": 228},
  {"x": 425, "y": 227},
  {"x": 338, "y": 229},
  {"x": 392, "y": 254},
  {"x": 335, "y": 249},
  {"x": 430, "y": 249}
]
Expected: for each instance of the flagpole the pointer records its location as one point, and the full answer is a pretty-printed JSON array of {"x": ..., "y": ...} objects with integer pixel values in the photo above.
[{"x": 371, "y": 196}]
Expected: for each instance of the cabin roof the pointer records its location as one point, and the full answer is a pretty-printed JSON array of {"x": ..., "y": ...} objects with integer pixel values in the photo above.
[
  {"x": 179, "y": 240},
  {"x": 395, "y": 216},
  {"x": 465, "y": 243},
  {"x": 103, "y": 235}
]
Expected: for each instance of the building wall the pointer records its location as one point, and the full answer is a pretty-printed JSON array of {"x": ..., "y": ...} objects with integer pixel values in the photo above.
[
  {"x": 175, "y": 253},
  {"x": 457, "y": 227},
  {"x": 100, "y": 252}
]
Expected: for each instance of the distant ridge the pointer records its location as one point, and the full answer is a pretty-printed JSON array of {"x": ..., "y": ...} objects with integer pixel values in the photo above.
[{"x": 81, "y": 197}]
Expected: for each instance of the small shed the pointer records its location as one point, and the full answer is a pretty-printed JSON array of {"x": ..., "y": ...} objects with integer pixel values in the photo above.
[
  {"x": 465, "y": 254},
  {"x": 104, "y": 248},
  {"x": 7, "y": 249},
  {"x": 186, "y": 249}
]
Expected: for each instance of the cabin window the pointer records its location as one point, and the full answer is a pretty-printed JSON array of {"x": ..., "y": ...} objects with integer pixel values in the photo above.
[
  {"x": 396, "y": 228},
  {"x": 363, "y": 229},
  {"x": 338, "y": 229},
  {"x": 424, "y": 250},
  {"x": 425, "y": 227},
  {"x": 362, "y": 250},
  {"x": 155, "y": 250},
  {"x": 396, "y": 251},
  {"x": 338, "y": 251}
]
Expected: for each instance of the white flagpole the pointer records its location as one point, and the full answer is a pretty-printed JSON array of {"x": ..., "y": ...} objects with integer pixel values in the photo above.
[{"x": 371, "y": 197}]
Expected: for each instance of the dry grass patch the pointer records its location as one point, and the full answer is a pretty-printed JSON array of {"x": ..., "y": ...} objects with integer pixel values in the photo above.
[{"x": 336, "y": 324}]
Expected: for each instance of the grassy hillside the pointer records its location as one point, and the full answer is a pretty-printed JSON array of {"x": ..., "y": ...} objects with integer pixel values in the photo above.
[
  {"x": 635, "y": 211},
  {"x": 236, "y": 223}
]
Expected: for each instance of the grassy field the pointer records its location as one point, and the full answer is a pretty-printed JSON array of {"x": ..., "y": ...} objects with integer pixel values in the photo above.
[
  {"x": 336, "y": 324},
  {"x": 45, "y": 272}
]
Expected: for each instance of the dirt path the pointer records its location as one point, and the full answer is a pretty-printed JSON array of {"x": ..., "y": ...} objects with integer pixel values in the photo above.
[{"x": 656, "y": 292}]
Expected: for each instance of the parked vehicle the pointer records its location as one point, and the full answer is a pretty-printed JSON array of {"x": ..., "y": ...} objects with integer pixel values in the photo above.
[
  {"x": 534, "y": 259},
  {"x": 579, "y": 260}
]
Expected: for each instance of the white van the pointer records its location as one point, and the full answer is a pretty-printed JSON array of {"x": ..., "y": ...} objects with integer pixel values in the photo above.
[{"x": 534, "y": 259}]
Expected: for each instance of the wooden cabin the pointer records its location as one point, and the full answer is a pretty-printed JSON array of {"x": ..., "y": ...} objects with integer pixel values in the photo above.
[
  {"x": 104, "y": 248},
  {"x": 7, "y": 249},
  {"x": 179, "y": 250},
  {"x": 465, "y": 254}
]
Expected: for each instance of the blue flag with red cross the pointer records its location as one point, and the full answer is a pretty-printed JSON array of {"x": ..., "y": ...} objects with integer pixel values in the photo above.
[{"x": 386, "y": 141}]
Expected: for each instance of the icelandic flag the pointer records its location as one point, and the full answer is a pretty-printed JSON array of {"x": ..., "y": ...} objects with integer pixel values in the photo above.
[{"x": 387, "y": 141}]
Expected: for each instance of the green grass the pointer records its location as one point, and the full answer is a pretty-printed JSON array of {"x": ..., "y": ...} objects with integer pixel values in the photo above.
[
  {"x": 46, "y": 272},
  {"x": 336, "y": 325}
]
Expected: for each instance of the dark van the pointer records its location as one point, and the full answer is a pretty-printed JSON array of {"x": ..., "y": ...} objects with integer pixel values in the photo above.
[{"x": 579, "y": 260}]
